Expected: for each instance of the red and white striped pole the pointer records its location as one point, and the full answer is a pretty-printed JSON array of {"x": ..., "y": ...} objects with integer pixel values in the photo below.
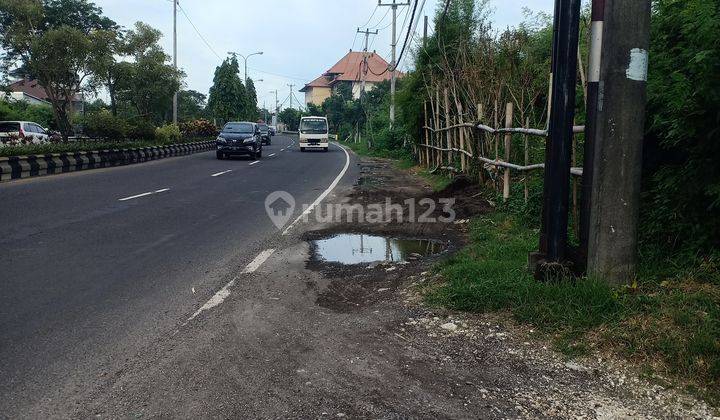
[{"x": 597, "y": 27}]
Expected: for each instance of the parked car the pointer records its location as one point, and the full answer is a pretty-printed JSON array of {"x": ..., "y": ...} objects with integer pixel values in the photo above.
[
  {"x": 314, "y": 133},
  {"x": 23, "y": 130},
  {"x": 273, "y": 130},
  {"x": 265, "y": 133},
  {"x": 238, "y": 139}
]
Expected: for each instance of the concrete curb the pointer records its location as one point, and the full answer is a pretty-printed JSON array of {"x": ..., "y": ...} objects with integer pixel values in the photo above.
[{"x": 18, "y": 167}]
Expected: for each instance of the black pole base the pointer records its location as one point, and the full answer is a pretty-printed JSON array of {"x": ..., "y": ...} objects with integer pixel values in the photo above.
[{"x": 547, "y": 271}]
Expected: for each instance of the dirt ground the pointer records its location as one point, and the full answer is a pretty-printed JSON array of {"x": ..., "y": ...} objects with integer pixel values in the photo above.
[{"x": 302, "y": 338}]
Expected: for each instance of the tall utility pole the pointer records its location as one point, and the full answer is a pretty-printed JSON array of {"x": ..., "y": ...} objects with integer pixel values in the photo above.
[
  {"x": 276, "y": 100},
  {"x": 558, "y": 149},
  {"x": 277, "y": 107},
  {"x": 365, "y": 53},
  {"x": 291, "y": 94},
  {"x": 425, "y": 32},
  {"x": 393, "y": 64},
  {"x": 597, "y": 22},
  {"x": 619, "y": 125},
  {"x": 175, "y": 94}
]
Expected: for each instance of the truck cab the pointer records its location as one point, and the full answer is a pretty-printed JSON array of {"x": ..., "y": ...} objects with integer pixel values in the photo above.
[{"x": 313, "y": 133}]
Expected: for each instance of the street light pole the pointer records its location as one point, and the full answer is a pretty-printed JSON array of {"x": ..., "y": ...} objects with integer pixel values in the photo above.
[
  {"x": 245, "y": 59},
  {"x": 175, "y": 94}
]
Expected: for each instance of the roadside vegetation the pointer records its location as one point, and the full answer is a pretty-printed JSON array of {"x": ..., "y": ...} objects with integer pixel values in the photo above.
[
  {"x": 76, "y": 52},
  {"x": 668, "y": 319},
  {"x": 81, "y": 146}
]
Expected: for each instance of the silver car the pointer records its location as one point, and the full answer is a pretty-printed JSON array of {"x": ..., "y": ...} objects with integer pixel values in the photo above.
[{"x": 23, "y": 130}]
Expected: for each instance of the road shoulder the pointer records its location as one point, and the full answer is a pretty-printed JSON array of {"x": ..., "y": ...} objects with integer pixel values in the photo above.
[{"x": 300, "y": 337}]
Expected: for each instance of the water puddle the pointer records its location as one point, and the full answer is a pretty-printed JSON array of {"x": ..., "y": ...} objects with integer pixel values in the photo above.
[{"x": 360, "y": 248}]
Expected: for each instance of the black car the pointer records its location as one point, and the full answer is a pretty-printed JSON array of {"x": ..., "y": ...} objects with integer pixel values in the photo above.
[
  {"x": 239, "y": 138},
  {"x": 265, "y": 133}
]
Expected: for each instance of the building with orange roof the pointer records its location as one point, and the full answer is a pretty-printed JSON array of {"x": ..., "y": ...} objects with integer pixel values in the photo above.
[{"x": 351, "y": 70}]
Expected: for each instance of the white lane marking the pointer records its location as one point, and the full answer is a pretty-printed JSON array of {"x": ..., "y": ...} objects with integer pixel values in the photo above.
[
  {"x": 282, "y": 150},
  {"x": 258, "y": 261},
  {"x": 144, "y": 194},
  {"x": 271, "y": 155},
  {"x": 252, "y": 163},
  {"x": 325, "y": 193},
  {"x": 222, "y": 294},
  {"x": 222, "y": 173}
]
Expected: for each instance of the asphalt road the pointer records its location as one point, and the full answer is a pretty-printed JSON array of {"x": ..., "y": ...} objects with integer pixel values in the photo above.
[{"x": 94, "y": 268}]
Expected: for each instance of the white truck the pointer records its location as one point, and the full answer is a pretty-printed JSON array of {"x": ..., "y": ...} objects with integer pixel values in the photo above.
[{"x": 313, "y": 133}]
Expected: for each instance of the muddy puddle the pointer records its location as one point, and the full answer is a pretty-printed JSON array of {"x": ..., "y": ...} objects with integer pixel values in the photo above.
[{"x": 355, "y": 248}]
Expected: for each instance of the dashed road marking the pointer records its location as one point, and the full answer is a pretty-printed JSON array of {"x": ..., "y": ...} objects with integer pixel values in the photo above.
[
  {"x": 222, "y": 294},
  {"x": 271, "y": 155},
  {"x": 324, "y": 194},
  {"x": 222, "y": 173},
  {"x": 144, "y": 194},
  {"x": 252, "y": 163},
  {"x": 258, "y": 261}
]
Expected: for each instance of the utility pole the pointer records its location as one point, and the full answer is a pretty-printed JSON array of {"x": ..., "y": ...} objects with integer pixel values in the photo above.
[
  {"x": 425, "y": 32},
  {"x": 618, "y": 135},
  {"x": 558, "y": 149},
  {"x": 365, "y": 62},
  {"x": 291, "y": 94},
  {"x": 393, "y": 64},
  {"x": 277, "y": 104},
  {"x": 175, "y": 94}
]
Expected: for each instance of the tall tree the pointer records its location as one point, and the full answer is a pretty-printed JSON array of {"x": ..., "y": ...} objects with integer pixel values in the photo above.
[
  {"x": 56, "y": 41},
  {"x": 227, "y": 94},
  {"x": 291, "y": 118},
  {"x": 148, "y": 82},
  {"x": 191, "y": 105},
  {"x": 251, "y": 108}
]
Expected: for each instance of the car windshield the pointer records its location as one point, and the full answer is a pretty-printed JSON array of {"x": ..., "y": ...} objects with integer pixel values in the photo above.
[
  {"x": 263, "y": 127},
  {"x": 313, "y": 126},
  {"x": 6, "y": 127},
  {"x": 238, "y": 128}
]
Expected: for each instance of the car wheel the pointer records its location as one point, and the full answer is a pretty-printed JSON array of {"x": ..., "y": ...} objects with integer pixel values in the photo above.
[
  {"x": 258, "y": 155},
  {"x": 220, "y": 156},
  {"x": 302, "y": 149},
  {"x": 325, "y": 149}
]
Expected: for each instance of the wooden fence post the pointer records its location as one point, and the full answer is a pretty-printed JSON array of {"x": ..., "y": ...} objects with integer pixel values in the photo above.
[
  {"x": 481, "y": 145},
  {"x": 463, "y": 157},
  {"x": 496, "y": 120},
  {"x": 527, "y": 160},
  {"x": 508, "y": 143},
  {"x": 427, "y": 134},
  {"x": 448, "y": 123},
  {"x": 438, "y": 140}
]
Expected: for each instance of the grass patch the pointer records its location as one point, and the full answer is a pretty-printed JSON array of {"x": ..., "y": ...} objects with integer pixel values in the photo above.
[
  {"x": 669, "y": 322},
  {"x": 81, "y": 146},
  {"x": 437, "y": 181}
]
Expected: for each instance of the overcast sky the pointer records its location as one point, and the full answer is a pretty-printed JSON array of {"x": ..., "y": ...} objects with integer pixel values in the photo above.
[{"x": 300, "y": 38}]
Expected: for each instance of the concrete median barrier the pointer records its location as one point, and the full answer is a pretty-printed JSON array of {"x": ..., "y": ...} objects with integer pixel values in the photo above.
[{"x": 18, "y": 167}]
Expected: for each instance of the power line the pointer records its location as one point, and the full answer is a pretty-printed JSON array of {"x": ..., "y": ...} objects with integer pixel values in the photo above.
[
  {"x": 277, "y": 74},
  {"x": 198, "y": 32},
  {"x": 354, "y": 40},
  {"x": 407, "y": 36},
  {"x": 371, "y": 16},
  {"x": 382, "y": 20},
  {"x": 447, "y": 6}
]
